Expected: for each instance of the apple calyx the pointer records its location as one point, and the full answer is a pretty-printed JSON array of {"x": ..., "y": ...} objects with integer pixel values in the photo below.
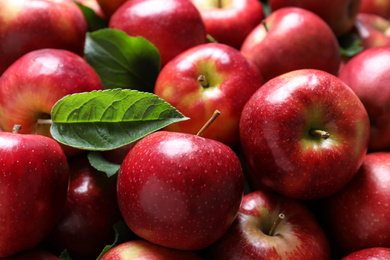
[
  {"x": 209, "y": 122},
  {"x": 203, "y": 81},
  {"x": 280, "y": 218},
  {"x": 16, "y": 129},
  {"x": 316, "y": 132}
]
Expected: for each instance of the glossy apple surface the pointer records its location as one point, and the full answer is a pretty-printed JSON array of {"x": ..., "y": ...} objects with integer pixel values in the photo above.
[
  {"x": 34, "y": 178},
  {"x": 31, "y": 86},
  {"x": 373, "y": 30},
  {"x": 298, "y": 236},
  {"x": 304, "y": 134},
  {"x": 180, "y": 190},
  {"x": 205, "y": 78},
  {"x": 340, "y": 15},
  {"x": 229, "y": 22},
  {"x": 289, "y": 39},
  {"x": 368, "y": 74},
  {"x": 173, "y": 26},
  {"x": 356, "y": 217},
  {"x": 91, "y": 210},
  {"x": 377, "y": 7},
  {"x": 28, "y": 25},
  {"x": 141, "y": 249},
  {"x": 373, "y": 253}
]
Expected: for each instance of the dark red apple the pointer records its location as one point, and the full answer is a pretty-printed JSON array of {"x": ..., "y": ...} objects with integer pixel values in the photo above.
[
  {"x": 368, "y": 74},
  {"x": 229, "y": 22},
  {"x": 356, "y": 217},
  {"x": 91, "y": 210},
  {"x": 180, "y": 190},
  {"x": 32, "y": 254},
  {"x": 269, "y": 226},
  {"x": 377, "y": 7},
  {"x": 173, "y": 26},
  {"x": 304, "y": 134},
  {"x": 206, "y": 78},
  {"x": 31, "y": 86},
  {"x": 27, "y": 25},
  {"x": 373, "y": 253},
  {"x": 340, "y": 15},
  {"x": 34, "y": 176},
  {"x": 289, "y": 39},
  {"x": 141, "y": 249}
]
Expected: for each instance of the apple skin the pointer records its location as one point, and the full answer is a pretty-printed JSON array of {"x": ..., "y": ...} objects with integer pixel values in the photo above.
[
  {"x": 281, "y": 151},
  {"x": 356, "y": 217},
  {"x": 35, "y": 253},
  {"x": 377, "y": 7},
  {"x": 173, "y": 26},
  {"x": 298, "y": 236},
  {"x": 28, "y": 25},
  {"x": 373, "y": 30},
  {"x": 31, "y": 86},
  {"x": 368, "y": 74},
  {"x": 231, "y": 22},
  {"x": 340, "y": 15},
  {"x": 141, "y": 249},
  {"x": 232, "y": 81},
  {"x": 180, "y": 190},
  {"x": 374, "y": 253},
  {"x": 110, "y": 6},
  {"x": 91, "y": 210},
  {"x": 292, "y": 38},
  {"x": 33, "y": 181}
]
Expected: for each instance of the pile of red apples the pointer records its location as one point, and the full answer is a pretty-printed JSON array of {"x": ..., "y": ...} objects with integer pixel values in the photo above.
[{"x": 285, "y": 153}]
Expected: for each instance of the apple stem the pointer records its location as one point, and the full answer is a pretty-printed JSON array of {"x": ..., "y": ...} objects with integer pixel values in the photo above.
[
  {"x": 16, "y": 129},
  {"x": 209, "y": 122},
  {"x": 325, "y": 135},
  {"x": 280, "y": 218},
  {"x": 41, "y": 121},
  {"x": 265, "y": 25},
  {"x": 219, "y": 4},
  {"x": 203, "y": 81}
]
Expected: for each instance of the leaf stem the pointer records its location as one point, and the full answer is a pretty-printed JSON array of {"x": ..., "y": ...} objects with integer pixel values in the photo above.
[{"x": 209, "y": 122}]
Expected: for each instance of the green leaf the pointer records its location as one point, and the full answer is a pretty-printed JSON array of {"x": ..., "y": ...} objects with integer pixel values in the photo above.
[
  {"x": 350, "y": 44},
  {"x": 65, "y": 255},
  {"x": 97, "y": 161},
  {"x": 122, "y": 234},
  {"x": 108, "y": 119},
  {"x": 94, "y": 21},
  {"x": 122, "y": 61}
]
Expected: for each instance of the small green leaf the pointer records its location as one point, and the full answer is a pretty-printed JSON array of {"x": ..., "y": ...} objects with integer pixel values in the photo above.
[
  {"x": 65, "y": 255},
  {"x": 122, "y": 61},
  {"x": 350, "y": 44},
  {"x": 122, "y": 234},
  {"x": 97, "y": 161},
  {"x": 94, "y": 21},
  {"x": 108, "y": 119}
]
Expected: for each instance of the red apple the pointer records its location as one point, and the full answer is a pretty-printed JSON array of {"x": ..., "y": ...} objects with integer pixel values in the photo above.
[
  {"x": 374, "y": 253},
  {"x": 205, "y": 78},
  {"x": 373, "y": 30},
  {"x": 290, "y": 39},
  {"x": 110, "y": 6},
  {"x": 378, "y": 7},
  {"x": 180, "y": 190},
  {"x": 34, "y": 177},
  {"x": 340, "y": 15},
  {"x": 304, "y": 134},
  {"x": 141, "y": 249},
  {"x": 229, "y": 22},
  {"x": 269, "y": 226},
  {"x": 173, "y": 26},
  {"x": 31, "y": 86},
  {"x": 356, "y": 217},
  {"x": 33, "y": 254},
  {"x": 368, "y": 74},
  {"x": 91, "y": 210},
  {"x": 28, "y": 25}
]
